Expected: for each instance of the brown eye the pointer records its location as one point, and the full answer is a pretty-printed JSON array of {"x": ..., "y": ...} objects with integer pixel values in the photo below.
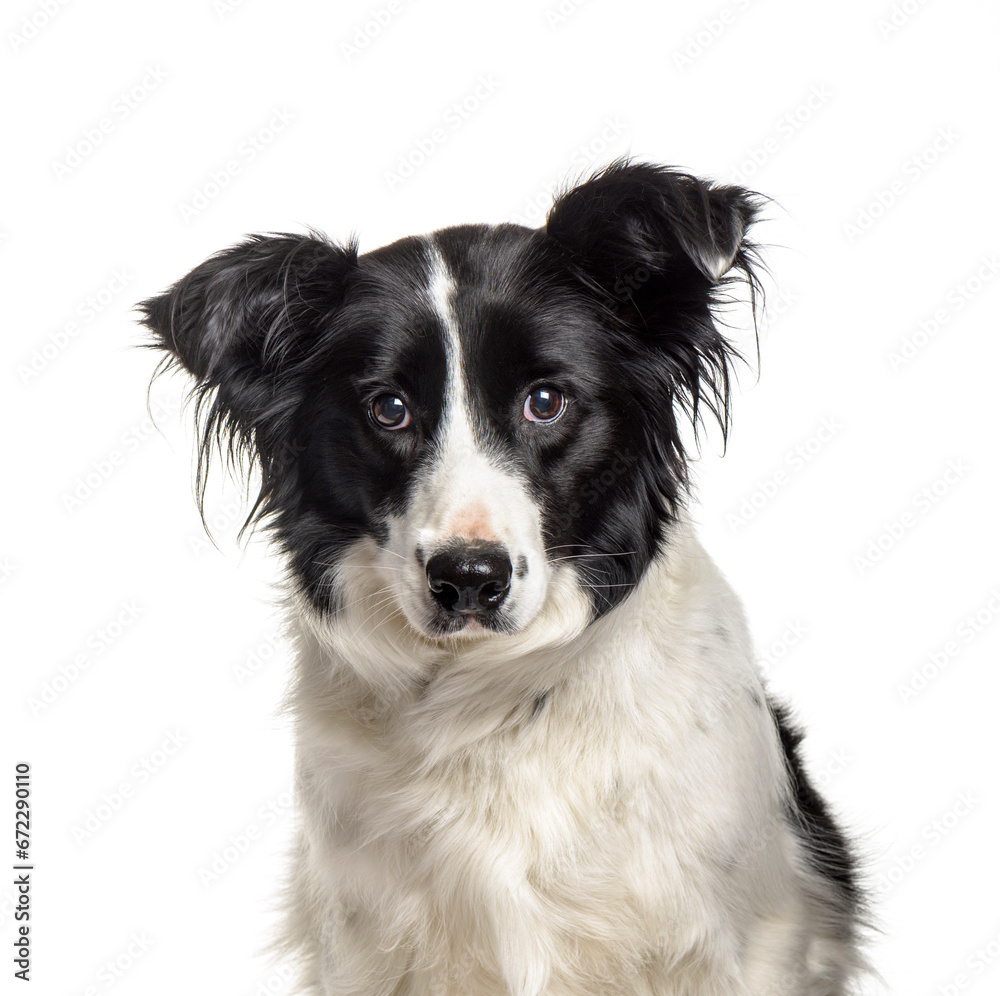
[
  {"x": 390, "y": 411},
  {"x": 544, "y": 404}
]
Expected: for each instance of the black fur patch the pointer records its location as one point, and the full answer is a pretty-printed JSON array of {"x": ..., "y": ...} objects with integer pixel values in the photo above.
[
  {"x": 539, "y": 705},
  {"x": 809, "y": 816}
]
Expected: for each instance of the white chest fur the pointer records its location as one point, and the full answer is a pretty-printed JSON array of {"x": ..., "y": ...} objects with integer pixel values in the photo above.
[{"x": 598, "y": 815}]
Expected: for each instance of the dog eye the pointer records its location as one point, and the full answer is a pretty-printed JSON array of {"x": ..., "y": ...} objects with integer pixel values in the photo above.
[
  {"x": 544, "y": 404},
  {"x": 390, "y": 411}
]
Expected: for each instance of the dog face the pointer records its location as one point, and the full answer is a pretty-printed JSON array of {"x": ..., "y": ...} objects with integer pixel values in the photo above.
[{"x": 469, "y": 415}]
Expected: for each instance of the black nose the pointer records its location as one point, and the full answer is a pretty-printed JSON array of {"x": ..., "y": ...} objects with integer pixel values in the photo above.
[{"x": 469, "y": 578}]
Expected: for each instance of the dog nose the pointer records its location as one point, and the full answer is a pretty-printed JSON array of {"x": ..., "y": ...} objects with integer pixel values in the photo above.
[{"x": 469, "y": 578}]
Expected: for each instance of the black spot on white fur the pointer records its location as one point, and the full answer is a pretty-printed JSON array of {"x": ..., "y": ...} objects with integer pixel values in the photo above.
[{"x": 539, "y": 705}]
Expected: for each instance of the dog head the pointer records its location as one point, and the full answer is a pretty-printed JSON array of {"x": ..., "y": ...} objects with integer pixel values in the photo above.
[{"x": 466, "y": 422}]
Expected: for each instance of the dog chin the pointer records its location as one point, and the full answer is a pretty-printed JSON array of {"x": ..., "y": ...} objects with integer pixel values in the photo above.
[{"x": 463, "y": 628}]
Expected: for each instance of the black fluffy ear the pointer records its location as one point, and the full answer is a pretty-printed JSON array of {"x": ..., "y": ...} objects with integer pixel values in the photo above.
[
  {"x": 653, "y": 246},
  {"x": 246, "y": 323},
  {"x": 247, "y": 313},
  {"x": 636, "y": 215}
]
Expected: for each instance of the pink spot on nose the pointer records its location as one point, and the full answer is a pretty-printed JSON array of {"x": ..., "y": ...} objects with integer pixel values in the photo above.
[{"x": 471, "y": 522}]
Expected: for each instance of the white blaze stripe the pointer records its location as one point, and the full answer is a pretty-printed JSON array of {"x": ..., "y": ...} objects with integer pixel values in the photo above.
[
  {"x": 463, "y": 476},
  {"x": 457, "y": 446},
  {"x": 464, "y": 492},
  {"x": 441, "y": 290}
]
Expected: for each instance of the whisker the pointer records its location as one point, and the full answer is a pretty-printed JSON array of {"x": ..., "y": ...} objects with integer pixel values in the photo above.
[
  {"x": 378, "y": 567},
  {"x": 582, "y": 556},
  {"x": 394, "y": 554}
]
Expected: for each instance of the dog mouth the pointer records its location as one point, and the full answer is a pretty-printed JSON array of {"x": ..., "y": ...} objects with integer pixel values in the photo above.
[{"x": 472, "y": 624}]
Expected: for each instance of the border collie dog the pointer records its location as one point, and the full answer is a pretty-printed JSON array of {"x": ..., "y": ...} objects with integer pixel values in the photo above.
[{"x": 534, "y": 751}]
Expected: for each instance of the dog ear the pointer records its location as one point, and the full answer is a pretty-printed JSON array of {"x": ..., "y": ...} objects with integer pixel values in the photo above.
[
  {"x": 247, "y": 314},
  {"x": 634, "y": 218},
  {"x": 654, "y": 246},
  {"x": 246, "y": 323}
]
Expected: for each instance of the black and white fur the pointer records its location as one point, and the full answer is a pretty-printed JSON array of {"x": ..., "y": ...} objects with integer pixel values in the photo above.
[{"x": 534, "y": 752}]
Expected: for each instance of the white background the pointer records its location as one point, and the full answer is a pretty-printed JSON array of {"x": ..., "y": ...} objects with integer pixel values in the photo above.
[{"x": 855, "y": 509}]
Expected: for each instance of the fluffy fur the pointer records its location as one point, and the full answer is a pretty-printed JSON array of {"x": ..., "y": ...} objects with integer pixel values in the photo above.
[{"x": 534, "y": 753}]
